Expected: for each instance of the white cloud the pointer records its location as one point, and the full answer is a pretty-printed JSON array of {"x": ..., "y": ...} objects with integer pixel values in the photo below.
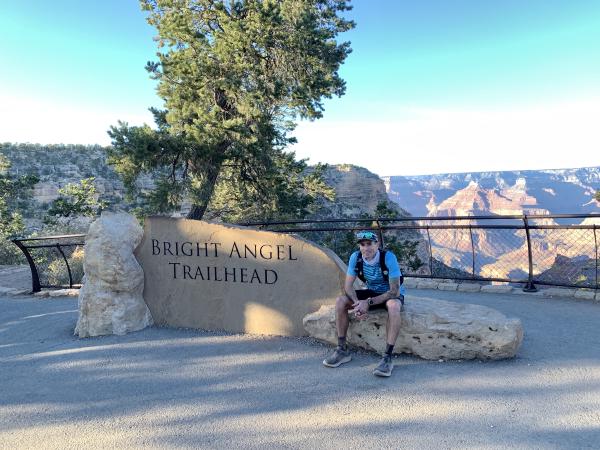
[
  {"x": 414, "y": 141},
  {"x": 47, "y": 122},
  {"x": 427, "y": 141}
]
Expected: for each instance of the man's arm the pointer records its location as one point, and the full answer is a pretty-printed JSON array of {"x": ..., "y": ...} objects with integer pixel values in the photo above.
[
  {"x": 349, "y": 288},
  {"x": 360, "y": 307},
  {"x": 393, "y": 292}
]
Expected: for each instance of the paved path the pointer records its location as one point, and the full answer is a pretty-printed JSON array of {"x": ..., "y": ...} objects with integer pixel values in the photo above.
[
  {"x": 15, "y": 277},
  {"x": 185, "y": 388}
]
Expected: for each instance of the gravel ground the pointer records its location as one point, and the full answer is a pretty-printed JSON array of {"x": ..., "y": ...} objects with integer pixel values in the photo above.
[{"x": 186, "y": 388}]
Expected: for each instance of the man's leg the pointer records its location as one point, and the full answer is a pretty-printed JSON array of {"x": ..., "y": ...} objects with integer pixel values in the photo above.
[
  {"x": 392, "y": 329},
  {"x": 394, "y": 320},
  {"x": 342, "y": 321},
  {"x": 341, "y": 354}
]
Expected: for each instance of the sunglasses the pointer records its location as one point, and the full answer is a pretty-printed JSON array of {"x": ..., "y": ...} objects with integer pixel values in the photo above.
[{"x": 366, "y": 235}]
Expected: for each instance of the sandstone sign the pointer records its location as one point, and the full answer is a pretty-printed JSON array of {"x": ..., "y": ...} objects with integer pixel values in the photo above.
[{"x": 212, "y": 276}]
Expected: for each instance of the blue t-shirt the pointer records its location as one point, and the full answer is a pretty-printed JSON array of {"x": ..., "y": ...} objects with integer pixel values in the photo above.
[{"x": 373, "y": 274}]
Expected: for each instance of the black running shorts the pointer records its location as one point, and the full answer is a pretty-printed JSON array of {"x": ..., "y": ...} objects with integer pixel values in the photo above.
[{"x": 364, "y": 294}]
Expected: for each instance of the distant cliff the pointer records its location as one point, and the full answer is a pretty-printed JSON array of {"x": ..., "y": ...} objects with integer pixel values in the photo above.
[
  {"x": 503, "y": 253},
  {"x": 58, "y": 165},
  {"x": 358, "y": 191},
  {"x": 558, "y": 191}
]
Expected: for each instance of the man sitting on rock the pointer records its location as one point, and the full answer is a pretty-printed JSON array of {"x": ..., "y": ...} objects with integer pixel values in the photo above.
[{"x": 380, "y": 271}]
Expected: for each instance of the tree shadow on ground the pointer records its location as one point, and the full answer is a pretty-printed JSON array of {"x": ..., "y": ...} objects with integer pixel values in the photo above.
[{"x": 178, "y": 387}]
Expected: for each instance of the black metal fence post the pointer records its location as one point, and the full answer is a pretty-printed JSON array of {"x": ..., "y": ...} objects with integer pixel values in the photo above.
[
  {"x": 335, "y": 242},
  {"x": 472, "y": 249},
  {"x": 35, "y": 278},
  {"x": 380, "y": 233},
  {"x": 529, "y": 287},
  {"x": 596, "y": 247},
  {"x": 430, "y": 253},
  {"x": 67, "y": 264}
]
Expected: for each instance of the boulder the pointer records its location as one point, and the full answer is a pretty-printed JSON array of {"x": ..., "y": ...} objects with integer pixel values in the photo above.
[
  {"x": 497, "y": 289},
  {"x": 411, "y": 283},
  {"x": 110, "y": 301},
  {"x": 431, "y": 329},
  {"x": 585, "y": 294},
  {"x": 558, "y": 292},
  {"x": 469, "y": 287},
  {"x": 447, "y": 286},
  {"x": 427, "y": 284},
  {"x": 64, "y": 293}
]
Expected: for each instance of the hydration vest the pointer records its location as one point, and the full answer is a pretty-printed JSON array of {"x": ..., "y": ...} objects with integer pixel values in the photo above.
[{"x": 359, "y": 271}]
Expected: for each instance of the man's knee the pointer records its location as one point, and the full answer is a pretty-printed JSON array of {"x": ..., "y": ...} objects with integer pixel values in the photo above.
[
  {"x": 342, "y": 303},
  {"x": 394, "y": 307}
]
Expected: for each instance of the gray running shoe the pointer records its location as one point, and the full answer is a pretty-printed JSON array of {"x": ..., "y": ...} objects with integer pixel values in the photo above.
[
  {"x": 384, "y": 369},
  {"x": 337, "y": 358}
]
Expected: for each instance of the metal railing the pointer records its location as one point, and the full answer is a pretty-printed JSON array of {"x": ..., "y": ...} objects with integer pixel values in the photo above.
[
  {"x": 55, "y": 261},
  {"x": 528, "y": 250}
]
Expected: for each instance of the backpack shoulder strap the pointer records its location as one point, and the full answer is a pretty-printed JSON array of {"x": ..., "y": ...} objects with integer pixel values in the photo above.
[
  {"x": 358, "y": 268},
  {"x": 384, "y": 270}
]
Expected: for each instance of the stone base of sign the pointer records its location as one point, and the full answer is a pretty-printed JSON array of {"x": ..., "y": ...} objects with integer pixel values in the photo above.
[
  {"x": 225, "y": 277},
  {"x": 431, "y": 329},
  {"x": 111, "y": 301}
]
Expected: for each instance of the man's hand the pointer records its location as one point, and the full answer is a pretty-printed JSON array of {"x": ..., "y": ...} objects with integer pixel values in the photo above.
[{"x": 361, "y": 309}]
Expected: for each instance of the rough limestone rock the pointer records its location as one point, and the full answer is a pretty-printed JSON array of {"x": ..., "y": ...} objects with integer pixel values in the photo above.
[
  {"x": 431, "y": 329},
  {"x": 110, "y": 301}
]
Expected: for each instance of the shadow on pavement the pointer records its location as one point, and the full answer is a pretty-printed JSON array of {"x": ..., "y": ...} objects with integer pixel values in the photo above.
[{"x": 173, "y": 387}]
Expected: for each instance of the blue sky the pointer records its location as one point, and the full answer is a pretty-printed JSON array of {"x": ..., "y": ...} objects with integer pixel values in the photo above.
[
  {"x": 432, "y": 86},
  {"x": 474, "y": 53}
]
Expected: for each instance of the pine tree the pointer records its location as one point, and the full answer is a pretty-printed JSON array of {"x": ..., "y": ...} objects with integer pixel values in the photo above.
[
  {"x": 13, "y": 190},
  {"x": 76, "y": 199},
  {"x": 234, "y": 75}
]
